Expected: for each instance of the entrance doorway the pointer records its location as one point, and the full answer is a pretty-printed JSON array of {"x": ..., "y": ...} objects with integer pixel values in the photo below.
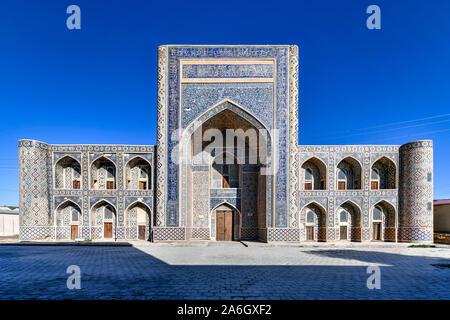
[
  {"x": 224, "y": 225},
  {"x": 377, "y": 231},
  {"x": 310, "y": 233},
  {"x": 73, "y": 232},
  {"x": 343, "y": 233},
  {"x": 108, "y": 230},
  {"x": 141, "y": 232}
]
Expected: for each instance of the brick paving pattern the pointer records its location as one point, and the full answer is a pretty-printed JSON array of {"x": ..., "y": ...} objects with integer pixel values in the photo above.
[{"x": 222, "y": 272}]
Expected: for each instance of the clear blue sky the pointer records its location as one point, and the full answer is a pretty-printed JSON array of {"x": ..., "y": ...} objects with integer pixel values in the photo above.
[{"x": 98, "y": 85}]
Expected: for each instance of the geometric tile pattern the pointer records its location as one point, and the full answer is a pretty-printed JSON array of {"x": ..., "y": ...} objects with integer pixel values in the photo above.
[
  {"x": 261, "y": 91},
  {"x": 416, "y": 197}
]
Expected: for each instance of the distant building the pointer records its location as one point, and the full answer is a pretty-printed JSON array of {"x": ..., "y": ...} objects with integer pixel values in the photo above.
[
  {"x": 442, "y": 216},
  {"x": 195, "y": 185},
  {"x": 9, "y": 221}
]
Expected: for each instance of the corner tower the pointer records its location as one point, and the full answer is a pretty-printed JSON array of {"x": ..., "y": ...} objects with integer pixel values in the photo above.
[
  {"x": 34, "y": 190},
  {"x": 416, "y": 192}
]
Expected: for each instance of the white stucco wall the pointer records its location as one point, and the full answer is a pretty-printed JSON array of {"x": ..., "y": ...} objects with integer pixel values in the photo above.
[{"x": 9, "y": 224}]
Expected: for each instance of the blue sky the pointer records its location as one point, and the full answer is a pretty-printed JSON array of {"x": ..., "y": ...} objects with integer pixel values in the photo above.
[{"x": 56, "y": 83}]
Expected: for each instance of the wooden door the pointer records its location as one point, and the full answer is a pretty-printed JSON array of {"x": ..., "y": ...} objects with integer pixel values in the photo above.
[
  {"x": 225, "y": 181},
  {"x": 109, "y": 185},
  {"x": 142, "y": 185},
  {"x": 310, "y": 233},
  {"x": 76, "y": 184},
  {"x": 343, "y": 232},
  {"x": 224, "y": 225},
  {"x": 374, "y": 185},
  {"x": 141, "y": 233},
  {"x": 341, "y": 185},
  {"x": 377, "y": 231},
  {"x": 308, "y": 186},
  {"x": 108, "y": 230},
  {"x": 73, "y": 232}
]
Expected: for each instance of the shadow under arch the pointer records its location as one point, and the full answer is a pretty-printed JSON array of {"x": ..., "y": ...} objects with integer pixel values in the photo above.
[
  {"x": 321, "y": 174},
  {"x": 387, "y": 173},
  {"x": 353, "y": 169}
]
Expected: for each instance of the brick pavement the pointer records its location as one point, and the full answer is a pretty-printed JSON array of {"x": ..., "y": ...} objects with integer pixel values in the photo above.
[{"x": 230, "y": 271}]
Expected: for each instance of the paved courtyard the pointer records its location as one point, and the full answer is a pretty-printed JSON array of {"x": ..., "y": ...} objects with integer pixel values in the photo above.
[{"x": 222, "y": 271}]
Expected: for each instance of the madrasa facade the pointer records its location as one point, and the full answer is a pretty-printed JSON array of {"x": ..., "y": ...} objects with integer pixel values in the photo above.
[{"x": 197, "y": 183}]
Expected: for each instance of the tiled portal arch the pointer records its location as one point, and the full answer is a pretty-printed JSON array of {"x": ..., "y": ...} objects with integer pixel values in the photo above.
[{"x": 186, "y": 140}]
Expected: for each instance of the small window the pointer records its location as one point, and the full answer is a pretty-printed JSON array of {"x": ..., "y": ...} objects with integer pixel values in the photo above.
[
  {"x": 142, "y": 185},
  {"x": 344, "y": 216},
  {"x": 310, "y": 217},
  {"x": 377, "y": 212},
  {"x": 108, "y": 213},
  {"x": 76, "y": 184},
  {"x": 74, "y": 215}
]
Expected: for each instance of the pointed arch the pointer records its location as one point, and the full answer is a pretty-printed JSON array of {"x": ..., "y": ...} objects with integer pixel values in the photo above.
[
  {"x": 315, "y": 229},
  {"x": 315, "y": 203},
  {"x": 350, "y": 227},
  {"x": 103, "y": 200},
  {"x": 136, "y": 228},
  {"x": 140, "y": 175},
  {"x": 349, "y": 174},
  {"x": 101, "y": 225},
  {"x": 66, "y": 201},
  {"x": 58, "y": 210},
  {"x": 225, "y": 104},
  {"x": 103, "y": 174},
  {"x": 137, "y": 156},
  {"x": 384, "y": 227},
  {"x": 138, "y": 202},
  {"x": 318, "y": 169},
  {"x": 67, "y": 156},
  {"x": 387, "y": 173},
  {"x": 353, "y": 203},
  {"x": 226, "y": 203},
  {"x": 236, "y": 223},
  {"x": 67, "y": 173}
]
